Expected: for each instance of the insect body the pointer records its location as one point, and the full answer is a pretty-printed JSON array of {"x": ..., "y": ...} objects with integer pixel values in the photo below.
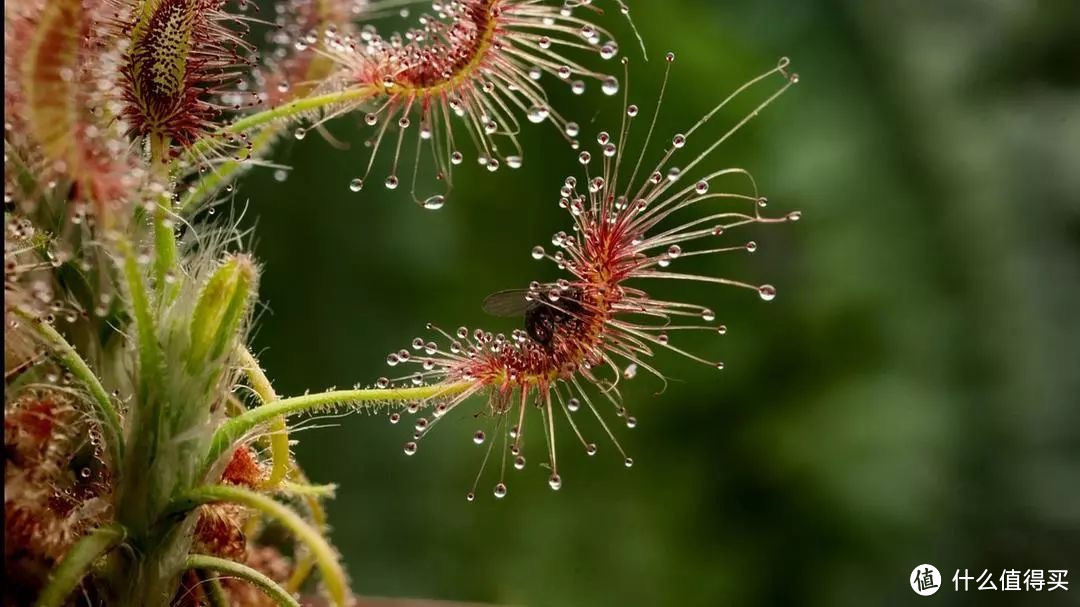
[{"x": 542, "y": 319}]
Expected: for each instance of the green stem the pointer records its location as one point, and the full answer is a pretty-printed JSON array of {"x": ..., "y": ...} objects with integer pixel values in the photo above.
[
  {"x": 279, "y": 431},
  {"x": 77, "y": 562},
  {"x": 235, "y": 428},
  {"x": 149, "y": 351},
  {"x": 224, "y": 173},
  {"x": 215, "y": 594},
  {"x": 282, "y": 112},
  {"x": 164, "y": 236},
  {"x": 332, "y": 574},
  {"x": 108, "y": 415},
  {"x": 267, "y": 585}
]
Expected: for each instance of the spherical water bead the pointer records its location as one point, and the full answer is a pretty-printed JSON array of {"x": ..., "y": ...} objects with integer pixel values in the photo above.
[
  {"x": 577, "y": 87},
  {"x": 678, "y": 141},
  {"x": 299, "y": 133},
  {"x": 382, "y": 382},
  {"x": 794, "y": 216},
  {"x": 395, "y": 418},
  {"x": 609, "y": 50},
  {"x": 535, "y": 72},
  {"x": 717, "y": 230},
  {"x": 708, "y": 315},
  {"x": 767, "y": 292},
  {"x": 751, "y": 246},
  {"x": 584, "y": 157},
  {"x": 670, "y": 57},
  {"x": 631, "y": 422},
  {"x": 519, "y": 462},
  {"x": 719, "y": 366},
  {"x": 674, "y": 251},
  {"x": 470, "y": 496},
  {"x": 630, "y": 372},
  {"x": 572, "y": 129},
  {"x": 513, "y": 162},
  {"x": 573, "y": 404},
  {"x": 356, "y": 185},
  {"x": 701, "y": 187},
  {"x": 478, "y": 437},
  {"x": 564, "y": 72},
  {"x": 537, "y": 114},
  {"x": 392, "y": 360},
  {"x": 500, "y": 490},
  {"x": 281, "y": 175},
  {"x": 662, "y": 338},
  {"x": 673, "y": 174},
  {"x": 434, "y": 203},
  {"x": 421, "y": 424},
  {"x": 763, "y": 202},
  {"x": 555, "y": 482},
  {"x": 628, "y": 462},
  {"x": 538, "y": 252},
  {"x": 610, "y": 85},
  {"x": 391, "y": 182},
  {"x": 721, "y": 330},
  {"x": 410, "y": 448},
  {"x": 632, "y": 110},
  {"x": 492, "y": 165},
  {"x": 456, "y": 158}
]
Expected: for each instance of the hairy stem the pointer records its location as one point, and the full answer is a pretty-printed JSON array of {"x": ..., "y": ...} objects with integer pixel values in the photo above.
[
  {"x": 107, "y": 413},
  {"x": 165, "y": 256},
  {"x": 224, "y": 173},
  {"x": 77, "y": 563},
  {"x": 267, "y": 585},
  {"x": 332, "y": 574},
  {"x": 279, "y": 431},
  {"x": 237, "y": 427}
]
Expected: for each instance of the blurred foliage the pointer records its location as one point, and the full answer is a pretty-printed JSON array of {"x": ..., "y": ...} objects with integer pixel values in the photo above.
[{"x": 910, "y": 397}]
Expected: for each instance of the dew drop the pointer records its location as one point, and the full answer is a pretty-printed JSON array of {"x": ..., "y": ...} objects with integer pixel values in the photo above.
[
  {"x": 537, "y": 114},
  {"x": 628, "y": 462},
  {"x": 410, "y": 448},
  {"x": 435, "y": 203},
  {"x": 356, "y": 185},
  {"x": 708, "y": 315},
  {"x": 751, "y": 246},
  {"x": 281, "y": 175},
  {"x": 794, "y": 216},
  {"x": 299, "y": 133},
  {"x": 478, "y": 437},
  {"x": 538, "y": 252},
  {"x": 767, "y": 292},
  {"x": 572, "y": 129},
  {"x": 674, "y": 251},
  {"x": 590, "y": 449},
  {"x": 555, "y": 482},
  {"x": 470, "y": 496},
  {"x": 500, "y": 490},
  {"x": 382, "y": 382},
  {"x": 679, "y": 140},
  {"x": 573, "y": 404},
  {"x": 391, "y": 182},
  {"x": 395, "y": 418},
  {"x": 610, "y": 85},
  {"x": 519, "y": 462}
]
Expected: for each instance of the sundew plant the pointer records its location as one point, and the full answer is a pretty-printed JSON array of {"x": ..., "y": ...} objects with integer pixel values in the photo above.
[{"x": 147, "y": 454}]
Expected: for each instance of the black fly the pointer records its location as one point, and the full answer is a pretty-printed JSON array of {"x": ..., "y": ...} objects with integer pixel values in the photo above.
[{"x": 541, "y": 319}]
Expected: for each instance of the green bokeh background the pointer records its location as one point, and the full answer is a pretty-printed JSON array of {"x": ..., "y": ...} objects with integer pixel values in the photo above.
[{"x": 909, "y": 397}]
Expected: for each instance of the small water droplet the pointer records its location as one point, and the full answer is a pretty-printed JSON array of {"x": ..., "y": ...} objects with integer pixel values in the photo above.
[
  {"x": 478, "y": 437},
  {"x": 410, "y": 448},
  {"x": 538, "y": 252},
  {"x": 537, "y": 114},
  {"x": 555, "y": 482},
  {"x": 500, "y": 490},
  {"x": 356, "y": 185},
  {"x": 628, "y": 462},
  {"x": 610, "y": 85},
  {"x": 767, "y": 292}
]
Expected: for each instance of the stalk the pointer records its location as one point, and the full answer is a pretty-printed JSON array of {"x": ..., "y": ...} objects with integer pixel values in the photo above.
[{"x": 77, "y": 563}]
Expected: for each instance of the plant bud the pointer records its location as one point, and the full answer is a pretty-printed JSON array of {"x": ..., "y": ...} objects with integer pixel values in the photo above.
[{"x": 220, "y": 310}]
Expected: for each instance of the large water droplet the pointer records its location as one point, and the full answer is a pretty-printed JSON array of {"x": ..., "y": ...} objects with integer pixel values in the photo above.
[
  {"x": 500, "y": 490},
  {"x": 767, "y": 292},
  {"x": 555, "y": 482},
  {"x": 537, "y": 114},
  {"x": 435, "y": 203},
  {"x": 356, "y": 185},
  {"x": 410, "y": 448},
  {"x": 610, "y": 85}
]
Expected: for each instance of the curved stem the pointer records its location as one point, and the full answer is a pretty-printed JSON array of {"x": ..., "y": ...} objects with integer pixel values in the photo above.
[
  {"x": 109, "y": 416},
  {"x": 285, "y": 111},
  {"x": 226, "y": 172},
  {"x": 279, "y": 431},
  {"x": 260, "y": 580},
  {"x": 77, "y": 562},
  {"x": 149, "y": 353},
  {"x": 332, "y": 574},
  {"x": 235, "y": 428}
]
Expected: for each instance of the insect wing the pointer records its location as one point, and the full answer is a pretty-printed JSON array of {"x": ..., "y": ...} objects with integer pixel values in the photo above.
[{"x": 507, "y": 304}]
